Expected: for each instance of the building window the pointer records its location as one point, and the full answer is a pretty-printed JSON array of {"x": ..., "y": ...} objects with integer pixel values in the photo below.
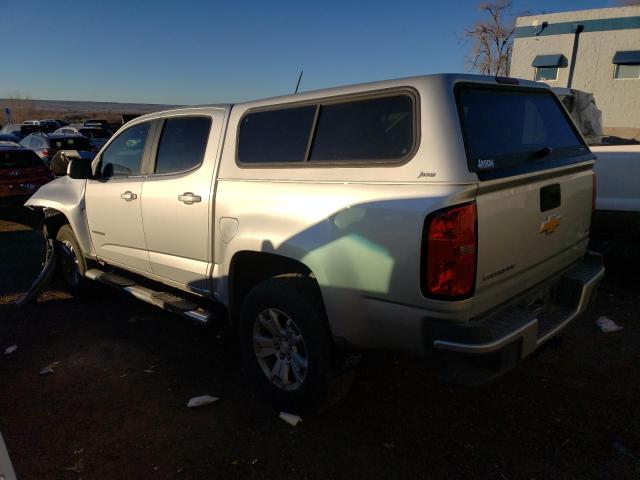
[
  {"x": 627, "y": 64},
  {"x": 547, "y": 66},
  {"x": 627, "y": 71},
  {"x": 546, "y": 74}
]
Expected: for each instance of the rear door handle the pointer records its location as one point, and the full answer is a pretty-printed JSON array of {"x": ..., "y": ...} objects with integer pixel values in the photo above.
[
  {"x": 189, "y": 198},
  {"x": 128, "y": 196}
]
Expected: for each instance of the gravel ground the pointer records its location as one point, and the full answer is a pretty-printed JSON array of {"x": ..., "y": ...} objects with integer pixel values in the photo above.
[{"x": 115, "y": 406}]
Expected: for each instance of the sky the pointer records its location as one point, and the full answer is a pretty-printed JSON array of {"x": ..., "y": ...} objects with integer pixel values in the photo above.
[{"x": 197, "y": 52}]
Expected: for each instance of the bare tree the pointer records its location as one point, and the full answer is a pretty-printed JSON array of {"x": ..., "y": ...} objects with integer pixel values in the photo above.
[{"x": 492, "y": 39}]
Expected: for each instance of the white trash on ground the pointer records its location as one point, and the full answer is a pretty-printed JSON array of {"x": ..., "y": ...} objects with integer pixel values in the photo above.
[
  {"x": 290, "y": 418},
  {"x": 201, "y": 401},
  {"x": 607, "y": 325},
  {"x": 10, "y": 350},
  {"x": 48, "y": 369}
]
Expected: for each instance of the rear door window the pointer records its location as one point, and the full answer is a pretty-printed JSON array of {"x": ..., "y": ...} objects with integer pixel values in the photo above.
[
  {"x": 377, "y": 129},
  {"x": 513, "y": 130},
  {"x": 182, "y": 144},
  {"x": 276, "y": 136}
]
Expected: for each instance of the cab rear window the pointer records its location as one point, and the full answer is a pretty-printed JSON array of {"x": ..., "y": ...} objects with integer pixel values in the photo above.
[{"x": 510, "y": 130}]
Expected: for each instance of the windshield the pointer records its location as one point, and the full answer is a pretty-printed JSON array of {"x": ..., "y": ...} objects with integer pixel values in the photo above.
[
  {"x": 19, "y": 159},
  {"x": 508, "y": 127}
]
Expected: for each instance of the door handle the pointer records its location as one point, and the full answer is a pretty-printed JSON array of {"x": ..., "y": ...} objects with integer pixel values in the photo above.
[
  {"x": 189, "y": 198},
  {"x": 128, "y": 196}
]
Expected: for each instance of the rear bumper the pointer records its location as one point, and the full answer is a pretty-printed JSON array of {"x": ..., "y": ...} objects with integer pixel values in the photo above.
[{"x": 492, "y": 345}]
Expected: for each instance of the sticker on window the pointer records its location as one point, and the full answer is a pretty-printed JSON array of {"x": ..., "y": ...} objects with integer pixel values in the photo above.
[{"x": 485, "y": 163}]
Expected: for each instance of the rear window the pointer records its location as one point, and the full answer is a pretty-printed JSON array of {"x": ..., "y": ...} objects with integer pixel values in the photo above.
[
  {"x": 373, "y": 129},
  {"x": 276, "y": 136},
  {"x": 376, "y": 129},
  {"x": 72, "y": 143},
  {"x": 509, "y": 131},
  {"x": 19, "y": 159}
]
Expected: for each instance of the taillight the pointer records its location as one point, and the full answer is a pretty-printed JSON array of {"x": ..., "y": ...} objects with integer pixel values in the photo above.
[
  {"x": 593, "y": 194},
  {"x": 45, "y": 152},
  {"x": 449, "y": 253}
]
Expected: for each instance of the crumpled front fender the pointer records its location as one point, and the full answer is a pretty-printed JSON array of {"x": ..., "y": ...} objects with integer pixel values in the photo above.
[{"x": 66, "y": 195}]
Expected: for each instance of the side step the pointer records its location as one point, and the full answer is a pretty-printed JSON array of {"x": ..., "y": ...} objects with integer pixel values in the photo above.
[{"x": 165, "y": 300}]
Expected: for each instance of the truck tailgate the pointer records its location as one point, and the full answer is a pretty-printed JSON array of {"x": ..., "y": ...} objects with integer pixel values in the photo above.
[
  {"x": 534, "y": 197},
  {"x": 527, "y": 231}
]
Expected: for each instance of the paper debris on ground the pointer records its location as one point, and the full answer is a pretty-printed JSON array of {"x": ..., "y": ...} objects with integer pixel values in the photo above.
[
  {"x": 48, "y": 369},
  {"x": 607, "y": 325},
  {"x": 10, "y": 350},
  {"x": 290, "y": 418},
  {"x": 201, "y": 401}
]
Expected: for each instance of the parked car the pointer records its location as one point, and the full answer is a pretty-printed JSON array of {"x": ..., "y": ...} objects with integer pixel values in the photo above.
[
  {"x": 47, "y": 145},
  {"x": 58, "y": 123},
  {"x": 9, "y": 137},
  {"x": 98, "y": 135},
  {"x": 617, "y": 168},
  {"x": 13, "y": 129},
  {"x": 9, "y": 143},
  {"x": 99, "y": 123},
  {"x": 28, "y": 129},
  {"x": 22, "y": 172},
  {"x": 49, "y": 125},
  {"x": 420, "y": 214}
]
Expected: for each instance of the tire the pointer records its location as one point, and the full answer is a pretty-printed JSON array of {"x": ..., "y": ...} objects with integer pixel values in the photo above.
[
  {"x": 71, "y": 263},
  {"x": 282, "y": 320}
]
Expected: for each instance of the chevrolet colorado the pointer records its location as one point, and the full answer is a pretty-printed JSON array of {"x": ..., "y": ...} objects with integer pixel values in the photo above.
[{"x": 443, "y": 215}]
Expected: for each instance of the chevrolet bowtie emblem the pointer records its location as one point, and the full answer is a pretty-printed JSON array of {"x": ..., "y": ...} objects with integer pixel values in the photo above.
[{"x": 550, "y": 225}]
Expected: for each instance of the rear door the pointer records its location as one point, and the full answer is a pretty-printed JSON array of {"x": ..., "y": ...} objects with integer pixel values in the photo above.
[
  {"x": 113, "y": 201},
  {"x": 535, "y": 189},
  {"x": 177, "y": 199}
]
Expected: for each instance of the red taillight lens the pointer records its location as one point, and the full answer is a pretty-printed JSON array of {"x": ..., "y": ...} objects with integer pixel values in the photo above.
[
  {"x": 45, "y": 152},
  {"x": 593, "y": 194},
  {"x": 449, "y": 266}
]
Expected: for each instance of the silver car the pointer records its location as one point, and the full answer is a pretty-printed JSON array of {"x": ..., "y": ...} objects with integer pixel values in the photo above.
[{"x": 445, "y": 216}]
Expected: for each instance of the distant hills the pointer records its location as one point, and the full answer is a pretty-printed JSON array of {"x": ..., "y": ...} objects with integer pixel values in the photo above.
[{"x": 73, "y": 110}]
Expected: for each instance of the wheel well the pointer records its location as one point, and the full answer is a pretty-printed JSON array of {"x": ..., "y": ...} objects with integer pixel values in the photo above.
[
  {"x": 250, "y": 268},
  {"x": 53, "y": 220}
]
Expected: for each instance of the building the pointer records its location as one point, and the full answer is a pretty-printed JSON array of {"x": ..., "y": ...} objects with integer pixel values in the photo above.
[{"x": 597, "y": 51}]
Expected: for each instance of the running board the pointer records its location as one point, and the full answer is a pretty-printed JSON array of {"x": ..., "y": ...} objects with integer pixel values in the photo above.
[{"x": 165, "y": 300}]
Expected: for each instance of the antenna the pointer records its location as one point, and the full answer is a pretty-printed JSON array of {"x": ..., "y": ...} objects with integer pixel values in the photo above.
[{"x": 299, "y": 78}]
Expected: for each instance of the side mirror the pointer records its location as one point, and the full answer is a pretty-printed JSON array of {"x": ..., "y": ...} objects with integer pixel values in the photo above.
[{"x": 79, "y": 169}]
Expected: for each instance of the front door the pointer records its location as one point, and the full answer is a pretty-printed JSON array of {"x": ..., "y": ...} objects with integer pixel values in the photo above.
[
  {"x": 177, "y": 202},
  {"x": 113, "y": 200}
]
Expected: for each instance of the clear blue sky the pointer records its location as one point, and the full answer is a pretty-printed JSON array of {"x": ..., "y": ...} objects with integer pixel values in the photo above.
[{"x": 192, "y": 51}]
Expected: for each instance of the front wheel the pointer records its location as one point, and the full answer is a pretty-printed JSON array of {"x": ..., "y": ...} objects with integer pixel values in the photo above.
[
  {"x": 287, "y": 344},
  {"x": 71, "y": 263}
]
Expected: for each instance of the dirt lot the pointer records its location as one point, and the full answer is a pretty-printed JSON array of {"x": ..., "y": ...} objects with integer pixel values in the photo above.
[{"x": 116, "y": 405}]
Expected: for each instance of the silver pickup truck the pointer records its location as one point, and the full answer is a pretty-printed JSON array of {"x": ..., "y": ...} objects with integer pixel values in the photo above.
[{"x": 444, "y": 215}]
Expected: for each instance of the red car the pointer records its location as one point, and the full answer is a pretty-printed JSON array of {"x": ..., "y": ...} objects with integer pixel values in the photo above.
[{"x": 22, "y": 172}]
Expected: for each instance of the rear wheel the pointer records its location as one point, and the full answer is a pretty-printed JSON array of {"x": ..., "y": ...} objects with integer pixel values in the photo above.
[
  {"x": 71, "y": 263},
  {"x": 287, "y": 344}
]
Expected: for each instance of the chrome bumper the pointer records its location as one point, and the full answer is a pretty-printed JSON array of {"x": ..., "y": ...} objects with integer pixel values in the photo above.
[{"x": 515, "y": 332}]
